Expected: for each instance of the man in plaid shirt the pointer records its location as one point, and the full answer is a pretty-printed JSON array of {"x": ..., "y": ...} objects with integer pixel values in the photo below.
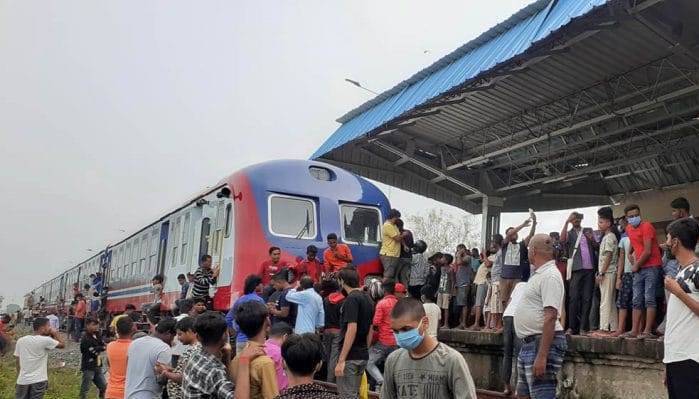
[{"x": 205, "y": 374}]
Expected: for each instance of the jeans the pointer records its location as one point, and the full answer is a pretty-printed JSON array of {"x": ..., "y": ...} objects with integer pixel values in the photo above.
[
  {"x": 403, "y": 271},
  {"x": 97, "y": 377},
  {"x": 31, "y": 391},
  {"x": 645, "y": 282},
  {"x": 78, "y": 329},
  {"x": 582, "y": 285},
  {"x": 348, "y": 385},
  {"x": 511, "y": 347},
  {"x": 332, "y": 348},
  {"x": 377, "y": 353}
]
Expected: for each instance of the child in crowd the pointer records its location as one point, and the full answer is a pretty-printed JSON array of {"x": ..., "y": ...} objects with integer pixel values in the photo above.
[
  {"x": 445, "y": 289},
  {"x": 433, "y": 312},
  {"x": 273, "y": 348},
  {"x": 482, "y": 282},
  {"x": 495, "y": 303},
  {"x": 419, "y": 269},
  {"x": 624, "y": 280}
]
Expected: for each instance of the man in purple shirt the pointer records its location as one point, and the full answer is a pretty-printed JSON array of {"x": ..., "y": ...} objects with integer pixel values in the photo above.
[
  {"x": 580, "y": 246},
  {"x": 253, "y": 285}
]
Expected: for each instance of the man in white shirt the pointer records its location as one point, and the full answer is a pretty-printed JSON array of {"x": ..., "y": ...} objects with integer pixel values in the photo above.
[
  {"x": 32, "y": 355},
  {"x": 144, "y": 353},
  {"x": 53, "y": 321},
  {"x": 537, "y": 324}
]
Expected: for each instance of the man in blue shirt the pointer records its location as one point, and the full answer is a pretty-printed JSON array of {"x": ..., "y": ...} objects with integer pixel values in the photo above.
[
  {"x": 310, "y": 315},
  {"x": 253, "y": 285}
]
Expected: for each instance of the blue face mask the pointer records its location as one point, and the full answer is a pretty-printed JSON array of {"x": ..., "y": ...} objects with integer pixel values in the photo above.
[
  {"x": 634, "y": 220},
  {"x": 410, "y": 339}
]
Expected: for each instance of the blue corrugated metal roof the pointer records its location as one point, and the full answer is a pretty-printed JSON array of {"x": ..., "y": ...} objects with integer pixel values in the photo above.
[{"x": 499, "y": 44}]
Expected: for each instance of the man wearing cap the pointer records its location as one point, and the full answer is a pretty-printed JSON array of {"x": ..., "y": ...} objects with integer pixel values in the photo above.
[{"x": 381, "y": 327}]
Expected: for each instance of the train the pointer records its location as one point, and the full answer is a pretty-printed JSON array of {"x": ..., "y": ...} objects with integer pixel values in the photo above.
[{"x": 289, "y": 204}]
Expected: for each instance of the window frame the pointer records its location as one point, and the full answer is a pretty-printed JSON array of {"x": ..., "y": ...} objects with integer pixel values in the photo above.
[
  {"x": 342, "y": 228},
  {"x": 297, "y": 198}
]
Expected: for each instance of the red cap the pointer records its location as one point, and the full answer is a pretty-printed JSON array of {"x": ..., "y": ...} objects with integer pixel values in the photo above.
[{"x": 400, "y": 288}]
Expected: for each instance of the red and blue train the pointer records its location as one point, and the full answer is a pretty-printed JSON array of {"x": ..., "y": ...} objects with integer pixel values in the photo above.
[{"x": 289, "y": 204}]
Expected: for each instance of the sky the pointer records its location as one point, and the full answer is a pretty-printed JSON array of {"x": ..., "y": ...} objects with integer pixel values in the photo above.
[{"x": 112, "y": 113}]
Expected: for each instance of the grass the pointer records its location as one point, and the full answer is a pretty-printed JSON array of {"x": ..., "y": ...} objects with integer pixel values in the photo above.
[{"x": 64, "y": 382}]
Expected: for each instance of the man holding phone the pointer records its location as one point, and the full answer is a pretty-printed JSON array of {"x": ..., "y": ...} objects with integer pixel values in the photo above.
[{"x": 579, "y": 248}]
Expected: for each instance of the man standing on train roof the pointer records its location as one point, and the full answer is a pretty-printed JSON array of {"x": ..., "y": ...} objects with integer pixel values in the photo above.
[
  {"x": 391, "y": 242},
  {"x": 337, "y": 256},
  {"x": 204, "y": 278},
  {"x": 269, "y": 268}
]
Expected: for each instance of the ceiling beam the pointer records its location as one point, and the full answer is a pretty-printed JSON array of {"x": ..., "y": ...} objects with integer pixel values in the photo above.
[
  {"x": 598, "y": 168},
  {"x": 436, "y": 171},
  {"x": 580, "y": 125}
]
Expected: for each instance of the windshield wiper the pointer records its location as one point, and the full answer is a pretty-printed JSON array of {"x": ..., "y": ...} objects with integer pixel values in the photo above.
[{"x": 306, "y": 227}]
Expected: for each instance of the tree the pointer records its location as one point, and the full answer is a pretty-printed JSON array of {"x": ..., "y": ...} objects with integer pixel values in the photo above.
[{"x": 443, "y": 231}]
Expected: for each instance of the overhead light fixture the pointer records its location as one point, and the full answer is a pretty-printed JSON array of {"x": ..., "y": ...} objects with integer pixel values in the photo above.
[
  {"x": 581, "y": 165},
  {"x": 479, "y": 162},
  {"x": 617, "y": 175}
]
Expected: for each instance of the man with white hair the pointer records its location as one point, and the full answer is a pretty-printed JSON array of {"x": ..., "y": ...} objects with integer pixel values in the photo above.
[{"x": 537, "y": 324}]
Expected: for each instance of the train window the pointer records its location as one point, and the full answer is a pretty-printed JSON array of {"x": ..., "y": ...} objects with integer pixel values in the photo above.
[
  {"x": 204, "y": 237},
  {"x": 292, "y": 217},
  {"x": 229, "y": 212},
  {"x": 185, "y": 239},
  {"x": 321, "y": 173},
  {"x": 360, "y": 224}
]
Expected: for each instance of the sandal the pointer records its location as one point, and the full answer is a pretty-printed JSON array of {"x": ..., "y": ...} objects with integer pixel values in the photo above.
[
  {"x": 650, "y": 336},
  {"x": 628, "y": 334}
]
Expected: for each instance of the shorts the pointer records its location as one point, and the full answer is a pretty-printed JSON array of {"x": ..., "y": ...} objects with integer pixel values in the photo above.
[
  {"x": 481, "y": 292},
  {"x": 462, "y": 294},
  {"x": 544, "y": 387},
  {"x": 624, "y": 299},
  {"x": 389, "y": 263},
  {"x": 507, "y": 285},
  {"x": 443, "y": 300},
  {"x": 495, "y": 302}
]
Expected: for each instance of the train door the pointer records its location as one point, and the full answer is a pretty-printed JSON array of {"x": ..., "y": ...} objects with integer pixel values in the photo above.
[{"x": 162, "y": 248}]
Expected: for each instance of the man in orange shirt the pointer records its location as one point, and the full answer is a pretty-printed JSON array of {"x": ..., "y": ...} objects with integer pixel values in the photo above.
[
  {"x": 80, "y": 313},
  {"x": 337, "y": 256},
  {"x": 117, "y": 357}
]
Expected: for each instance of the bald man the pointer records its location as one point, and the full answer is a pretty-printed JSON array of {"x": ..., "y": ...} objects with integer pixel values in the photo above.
[{"x": 537, "y": 324}]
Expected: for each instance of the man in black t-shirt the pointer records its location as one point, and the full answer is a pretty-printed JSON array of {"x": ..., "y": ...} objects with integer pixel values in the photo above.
[
  {"x": 279, "y": 307},
  {"x": 355, "y": 321}
]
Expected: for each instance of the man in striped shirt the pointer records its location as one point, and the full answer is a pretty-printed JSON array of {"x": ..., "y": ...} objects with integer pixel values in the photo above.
[{"x": 205, "y": 277}]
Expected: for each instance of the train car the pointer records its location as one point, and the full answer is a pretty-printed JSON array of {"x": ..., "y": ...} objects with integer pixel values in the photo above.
[{"x": 289, "y": 204}]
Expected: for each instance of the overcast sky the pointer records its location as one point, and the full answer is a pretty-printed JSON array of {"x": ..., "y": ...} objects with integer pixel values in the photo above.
[{"x": 111, "y": 113}]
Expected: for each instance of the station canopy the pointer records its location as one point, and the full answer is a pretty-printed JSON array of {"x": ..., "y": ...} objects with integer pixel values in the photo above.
[{"x": 568, "y": 103}]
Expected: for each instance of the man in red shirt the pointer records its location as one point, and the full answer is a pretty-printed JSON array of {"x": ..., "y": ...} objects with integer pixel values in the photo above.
[
  {"x": 271, "y": 267},
  {"x": 647, "y": 271},
  {"x": 337, "y": 256},
  {"x": 386, "y": 341},
  {"x": 80, "y": 313},
  {"x": 310, "y": 266}
]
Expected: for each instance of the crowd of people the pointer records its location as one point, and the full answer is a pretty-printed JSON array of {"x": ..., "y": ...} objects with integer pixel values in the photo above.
[{"x": 315, "y": 320}]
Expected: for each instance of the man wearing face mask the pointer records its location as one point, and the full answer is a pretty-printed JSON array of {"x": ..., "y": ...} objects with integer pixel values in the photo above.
[
  {"x": 422, "y": 367},
  {"x": 537, "y": 324},
  {"x": 647, "y": 271}
]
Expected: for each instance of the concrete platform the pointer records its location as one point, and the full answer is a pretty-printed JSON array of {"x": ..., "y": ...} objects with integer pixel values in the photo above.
[{"x": 594, "y": 367}]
